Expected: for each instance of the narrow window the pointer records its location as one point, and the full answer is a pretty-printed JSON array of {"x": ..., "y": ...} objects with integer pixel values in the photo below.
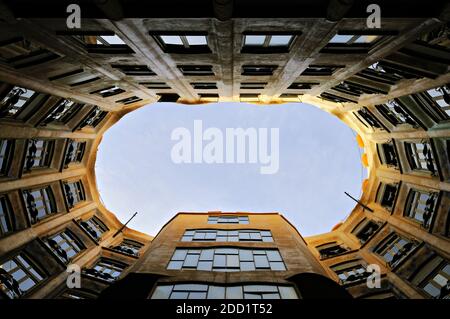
[
  {"x": 6, "y": 156},
  {"x": 65, "y": 245},
  {"x": 6, "y": 216},
  {"x": 75, "y": 152},
  {"x": 62, "y": 112},
  {"x": 94, "y": 227},
  {"x": 394, "y": 249},
  {"x": 106, "y": 269},
  {"x": 74, "y": 192},
  {"x": 39, "y": 203},
  {"x": 15, "y": 101},
  {"x": 39, "y": 154},
  {"x": 420, "y": 157},
  {"x": 421, "y": 206}
]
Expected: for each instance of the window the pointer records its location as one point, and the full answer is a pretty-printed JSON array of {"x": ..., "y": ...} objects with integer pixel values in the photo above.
[
  {"x": 267, "y": 43},
  {"x": 74, "y": 192},
  {"x": 134, "y": 70},
  {"x": 18, "y": 275},
  {"x": 182, "y": 42},
  {"x": 15, "y": 101},
  {"x": 434, "y": 278},
  {"x": 78, "y": 294},
  {"x": 62, "y": 112},
  {"x": 94, "y": 118},
  {"x": 377, "y": 73},
  {"x": 320, "y": 70},
  {"x": 155, "y": 85},
  {"x": 99, "y": 41},
  {"x": 302, "y": 85},
  {"x": 109, "y": 91},
  {"x": 421, "y": 206},
  {"x": 75, "y": 77},
  {"x": 354, "y": 41},
  {"x": 230, "y": 219},
  {"x": 64, "y": 245},
  {"x": 6, "y": 155},
  {"x": 75, "y": 152},
  {"x": 196, "y": 70},
  {"x": 356, "y": 89},
  {"x": 331, "y": 250},
  {"x": 94, "y": 227},
  {"x": 39, "y": 154},
  {"x": 258, "y": 70},
  {"x": 386, "y": 195},
  {"x": 253, "y": 85},
  {"x": 226, "y": 259},
  {"x": 21, "y": 53},
  {"x": 367, "y": 118},
  {"x": 335, "y": 98},
  {"x": 129, "y": 100},
  {"x": 351, "y": 271},
  {"x": 6, "y": 216},
  {"x": 365, "y": 230},
  {"x": 395, "y": 248},
  {"x": 387, "y": 154},
  {"x": 420, "y": 157},
  {"x": 211, "y": 235},
  {"x": 129, "y": 247},
  {"x": 106, "y": 269},
  {"x": 206, "y": 291},
  {"x": 204, "y": 85},
  {"x": 39, "y": 203},
  {"x": 440, "y": 98},
  {"x": 395, "y": 113}
]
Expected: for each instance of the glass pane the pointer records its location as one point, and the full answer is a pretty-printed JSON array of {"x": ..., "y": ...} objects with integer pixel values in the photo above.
[
  {"x": 112, "y": 39},
  {"x": 216, "y": 292},
  {"x": 204, "y": 265},
  {"x": 197, "y": 295},
  {"x": 219, "y": 261},
  {"x": 233, "y": 261},
  {"x": 179, "y": 254},
  {"x": 190, "y": 287},
  {"x": 234, "y": 292},
  {"x": 245, "y": 255},
  {"x": 340, "y": 38},
  {"x": 280, "y": 40},
  {"x": 273, "y": 255},
  {"x": 196, "y": 39},
  {"x": 172, "y": 39},
  {"x": 175, "y": 265},
  {"x": 191, "y": 261},
  {"x": 179, "y": 295},
  {"x": 277, "y": 265},
  {"x": 162, "y": 292},
  {"x": 287, "y": 292},
  {"x": 366, "y": 39},
  {"x": 261, "y": 262},
  {"x": 254, "y": 39},
  {"x": 260, "y": 288},
  {"x": 247, "y": 266},
  {"x": 207, "y": 254}
]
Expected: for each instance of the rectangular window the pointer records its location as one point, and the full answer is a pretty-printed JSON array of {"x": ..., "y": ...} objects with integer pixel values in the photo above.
[
  {"x": 129, "y": 247},
  {"x": 103, "y": 42},
  {"x": 106, "y": 269},
  {"x": 434, "y": 278},
  {"x": 267, "y": 42},
  {"x": 365, "y": 230},
  {"x": 207, "y": 291},
  {"x": 6, "y": 216},
  {"x": 253, "y": 85},
  {"x": 94, "y": 118},
  {"x": 441, "y": 99},
  {"x": 129, "y": 100},
  {"x": 65, "y": 245},
  {"x": 421, "y": 206},
  {"x": 134, "y": 70},
  {"x": 386, "y": 195},
  {"x": 75, "y": 152},
  {"x": 226, "y": 259},
  {"x": 94, "y": 227},
  {"x": 62, "y": 112},
  {"x": 395, "y": 248},
  {"x": 182, "y": 42},
  {"x": 302, "y": 85},
  {"x": 355, "y": 41},
  {"x": 204, "y": 85},
  {"x": 387, "y": 154},
  {"x": 258, "y": 70},
  {"x": 39, "y": 154},
  {"x": 395, "y": 113},
  {"x": 377, "y": 73},
  {"x": 39, "y": 203},
  {"x": 155, "y": 85},
  {"x": 356, "y": 89},
  {"x": 74, "y": 192},
  {"x": 196, "y": 70},
  {"x": 6, "y": 156},
  {"x": 367, "y": 118},
  {"x": 217, "y": 235},
  {"x": 420, "y": 157},
  {"x": 331, "y": 250},
  {"x": 109, "y": 91},
  {"x": 229, "y": 219},
  {"x": 320, "y": 70},
  {"x": 15, "y": 101},
  {"x": 19, "y": 275},
  {"x": 351, "y": 271}
]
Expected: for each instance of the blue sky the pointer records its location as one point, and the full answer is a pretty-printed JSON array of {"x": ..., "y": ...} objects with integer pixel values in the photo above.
[{"x": 319, "y": 160}]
